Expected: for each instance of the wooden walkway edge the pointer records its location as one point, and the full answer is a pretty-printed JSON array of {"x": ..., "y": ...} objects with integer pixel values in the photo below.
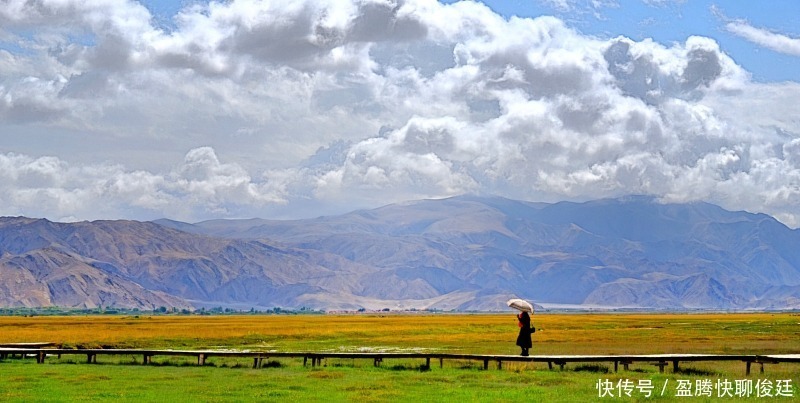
[{"x": 317, "y": 357}]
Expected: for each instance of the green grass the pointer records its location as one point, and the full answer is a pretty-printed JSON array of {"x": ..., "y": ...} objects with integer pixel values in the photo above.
[
  {"x": 24, "y": 381},
  {"x": 229, "y": 379}
]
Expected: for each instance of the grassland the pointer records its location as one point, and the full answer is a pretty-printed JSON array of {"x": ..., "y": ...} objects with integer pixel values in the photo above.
[{"x": 396, "y": 380}]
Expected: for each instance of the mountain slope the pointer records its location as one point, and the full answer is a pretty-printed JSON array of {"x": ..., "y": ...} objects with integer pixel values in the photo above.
[
  {"x": 604, "y": 252},
  {"x": 468, "y": 253},
  {"x": 142, "y": 265}
]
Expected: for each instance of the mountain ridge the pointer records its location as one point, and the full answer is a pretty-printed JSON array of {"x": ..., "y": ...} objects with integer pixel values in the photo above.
[{"x": 461, "y": 253}]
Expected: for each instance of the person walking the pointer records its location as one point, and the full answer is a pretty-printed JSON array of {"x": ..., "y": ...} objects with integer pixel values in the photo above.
[{"x": 525, "y": 330}]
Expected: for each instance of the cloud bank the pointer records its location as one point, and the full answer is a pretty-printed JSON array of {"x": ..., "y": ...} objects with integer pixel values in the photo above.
[{"x": 303, "y": 108}]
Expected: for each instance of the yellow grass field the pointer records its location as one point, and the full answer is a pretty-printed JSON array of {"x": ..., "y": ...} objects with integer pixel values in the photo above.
[{"x": 740, "y": 333}]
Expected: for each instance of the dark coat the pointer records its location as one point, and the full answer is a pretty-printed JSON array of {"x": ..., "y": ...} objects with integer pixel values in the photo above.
[{"x": 524, "y": 337}]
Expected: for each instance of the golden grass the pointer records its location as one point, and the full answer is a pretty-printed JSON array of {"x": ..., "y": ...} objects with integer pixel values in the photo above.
[{"x": 744, "y": 333}]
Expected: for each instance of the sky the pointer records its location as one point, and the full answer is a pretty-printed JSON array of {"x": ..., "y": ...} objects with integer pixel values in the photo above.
[{"x": 196, "y": 110}]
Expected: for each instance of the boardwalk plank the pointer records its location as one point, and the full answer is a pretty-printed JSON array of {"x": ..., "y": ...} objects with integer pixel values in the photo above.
[{"x": 661, "y": 360}]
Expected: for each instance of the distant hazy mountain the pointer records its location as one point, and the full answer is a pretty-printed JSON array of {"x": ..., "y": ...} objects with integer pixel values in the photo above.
[
  {"x": 146, "y": 265},
  {"x": 463, "y": 253}
]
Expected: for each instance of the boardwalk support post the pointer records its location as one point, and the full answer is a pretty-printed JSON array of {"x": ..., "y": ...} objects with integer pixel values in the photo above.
[{"x": 659, "y": 360}]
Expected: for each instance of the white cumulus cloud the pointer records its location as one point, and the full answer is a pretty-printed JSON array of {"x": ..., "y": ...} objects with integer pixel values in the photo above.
[{"x": 268, "y": 108}]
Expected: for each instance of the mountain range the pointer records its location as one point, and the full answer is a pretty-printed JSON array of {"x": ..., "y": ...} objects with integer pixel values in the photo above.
[{"x": 462, "y": 253}]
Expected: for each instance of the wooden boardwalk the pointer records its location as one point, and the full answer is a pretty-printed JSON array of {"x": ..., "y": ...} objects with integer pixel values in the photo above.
[
  {"x": 661, "y": 360},
  {"x": 28, "y": 345}
]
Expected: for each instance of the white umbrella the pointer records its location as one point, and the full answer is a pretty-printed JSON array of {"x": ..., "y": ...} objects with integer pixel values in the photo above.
[{"x": 520, "y": 304}]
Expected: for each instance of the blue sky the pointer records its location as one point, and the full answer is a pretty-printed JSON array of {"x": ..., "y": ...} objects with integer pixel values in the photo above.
[{"x": 193, "y": 110}]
